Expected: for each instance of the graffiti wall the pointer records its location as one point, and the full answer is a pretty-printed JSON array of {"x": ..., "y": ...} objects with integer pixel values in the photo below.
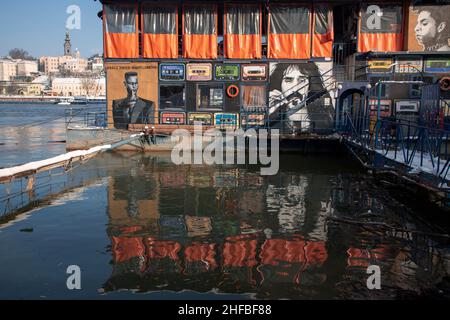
[
  {"x": 299, "y": 94},
  {"x": 132, "y": 94},
  {"x": 428, "y": 26}
]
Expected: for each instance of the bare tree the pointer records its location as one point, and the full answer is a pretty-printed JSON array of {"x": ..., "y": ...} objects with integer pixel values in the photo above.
[
  {"x": 18, "y": 53},
  {"x": 88, "y": 84},
  {"x": 65, "y": 73}
]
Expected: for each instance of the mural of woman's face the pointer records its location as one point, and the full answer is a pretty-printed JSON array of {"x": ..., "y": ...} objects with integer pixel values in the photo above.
[
  {"x": 294, "y": 82},
  {"x": 426, "y": 29}
]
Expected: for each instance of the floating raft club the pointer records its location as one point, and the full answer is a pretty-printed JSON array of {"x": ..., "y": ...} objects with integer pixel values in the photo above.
[
  {"x": 296, "y": 67},
  {"x": 367, "y": 76}
]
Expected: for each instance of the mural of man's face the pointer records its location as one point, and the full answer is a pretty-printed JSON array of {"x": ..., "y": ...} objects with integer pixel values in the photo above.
[
  {"x": 427, "y": 29},
  {"x": 132, "y": 86},
  {"x": 294, "y": 81}
]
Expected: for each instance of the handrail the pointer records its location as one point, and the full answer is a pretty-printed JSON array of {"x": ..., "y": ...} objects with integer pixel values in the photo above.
[{"x": 404, "y": 141}]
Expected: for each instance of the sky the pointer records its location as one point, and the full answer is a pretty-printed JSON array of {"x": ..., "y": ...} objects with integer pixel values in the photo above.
[{"x": 39, "y": 27}]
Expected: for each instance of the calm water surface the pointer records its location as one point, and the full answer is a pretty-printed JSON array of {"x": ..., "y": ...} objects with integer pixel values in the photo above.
[{"x": 140, "y": 227}]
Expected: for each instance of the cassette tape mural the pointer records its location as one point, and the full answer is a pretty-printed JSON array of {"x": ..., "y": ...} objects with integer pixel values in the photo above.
[
  {"x": 299, "y": 96},
  {"x": 132, "y": 95}
]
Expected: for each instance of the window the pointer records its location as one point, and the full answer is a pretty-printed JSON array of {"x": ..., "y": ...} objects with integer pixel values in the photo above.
[
  {"x": 160, "y": 20},
  {"x": 210, "y": 96},
  {"x": 253, "y": 97},
  {"x": 120, "y": 19},
  {"x": 243, "y": 19},
  {"x": 172, "y": 97},
  {"x": 289, "y": 19},
  {"x": 200, "y": 20}
]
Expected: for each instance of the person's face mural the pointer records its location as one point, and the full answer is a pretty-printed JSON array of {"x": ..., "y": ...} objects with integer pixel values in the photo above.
[
  {"x": 132, "y": 95},
  {"x": 132, "y": 86},
  {"x": 289, "y": 87},
  {"x": 294, "y": 86},
  {"x": 298, "y": 95},
  {"x": 427, "y": 29}
]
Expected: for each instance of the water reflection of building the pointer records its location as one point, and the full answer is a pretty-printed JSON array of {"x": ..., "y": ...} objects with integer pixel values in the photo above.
[
  {"x": 287, "y": 260},
  {"x": 288, "y": 203},
  {"x": 179, "y": 228},
  {"x": 287, "y": 199},
  {"x": 204, "y": 228}
]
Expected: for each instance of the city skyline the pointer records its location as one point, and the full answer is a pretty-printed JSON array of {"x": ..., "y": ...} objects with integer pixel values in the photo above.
[{"x": 48, "y": 38}]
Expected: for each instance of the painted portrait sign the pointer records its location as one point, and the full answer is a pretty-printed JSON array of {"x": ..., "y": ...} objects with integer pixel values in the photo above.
[
  {"x": 297, "y": 95},
  {"x": 132, "y": 94},
  {"x": 429, "y": 26}
]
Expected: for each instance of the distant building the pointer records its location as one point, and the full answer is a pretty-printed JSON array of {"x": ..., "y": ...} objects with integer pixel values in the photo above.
[
  {"x": 79, "y": 86},
  {"x": 39, "y": 85},
  {"x": 67, "y": 45},
  {"x": 70, "y": 61},
  {"x": 95, "y": 64},
  {"x": 75, "y": 65},
  {"x": 52, "y": 65},
  {"x": 26, "y": 68},
  {"x": 8, "y": 70},
  {"x": 13, "y": 69}
]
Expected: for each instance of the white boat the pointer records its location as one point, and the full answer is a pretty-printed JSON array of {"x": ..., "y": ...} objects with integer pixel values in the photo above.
[{"x": 64, "y": 102}]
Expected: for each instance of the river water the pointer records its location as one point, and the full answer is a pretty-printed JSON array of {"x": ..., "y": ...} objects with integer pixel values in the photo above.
[{"x": 140, "y": 227}]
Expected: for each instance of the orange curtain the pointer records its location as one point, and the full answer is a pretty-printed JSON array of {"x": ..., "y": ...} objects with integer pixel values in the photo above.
[
  {"x": 200, "y": 31},
  {"x": 160, "y": 31},
  {"x": 242, "y": 31},
  {"x": 380, "y": 42},
  {"x": 380, "y": 28},
  {"x": 289, "y": 32},
  {"x": 120, "y": 25},
  {"x": 323, "y": 35}
]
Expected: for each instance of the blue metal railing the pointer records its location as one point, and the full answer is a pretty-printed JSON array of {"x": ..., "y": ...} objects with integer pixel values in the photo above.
[
  {"x": 86, "y": 118},
  {"x": 406, "y": 142}
]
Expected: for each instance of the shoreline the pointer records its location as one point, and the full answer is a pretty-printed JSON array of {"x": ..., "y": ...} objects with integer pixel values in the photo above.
[{"x": 46, "y": 100}]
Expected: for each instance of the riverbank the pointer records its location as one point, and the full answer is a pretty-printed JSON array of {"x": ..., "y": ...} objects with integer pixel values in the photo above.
[{"x": 47, "y": 99}]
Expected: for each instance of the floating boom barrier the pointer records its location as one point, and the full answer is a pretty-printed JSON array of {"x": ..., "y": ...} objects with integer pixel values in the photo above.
[{"x": 64, "y": 160}]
